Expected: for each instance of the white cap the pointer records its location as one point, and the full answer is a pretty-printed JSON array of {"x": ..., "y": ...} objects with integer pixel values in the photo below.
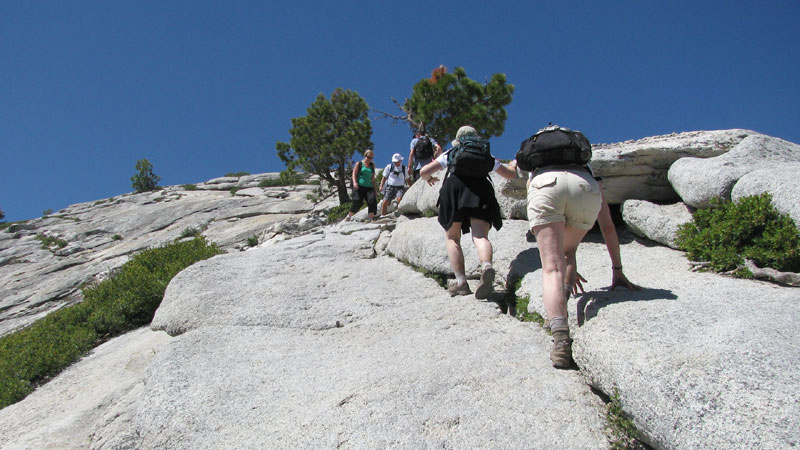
[{"x": 397, "y": 157}]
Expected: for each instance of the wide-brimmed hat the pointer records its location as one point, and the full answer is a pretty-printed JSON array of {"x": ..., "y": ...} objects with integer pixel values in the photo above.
[{"x": 397, "y": 157}]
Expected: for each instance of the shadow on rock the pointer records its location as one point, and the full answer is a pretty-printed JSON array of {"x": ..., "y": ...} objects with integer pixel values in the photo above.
[{"x": 590, "y": 303}]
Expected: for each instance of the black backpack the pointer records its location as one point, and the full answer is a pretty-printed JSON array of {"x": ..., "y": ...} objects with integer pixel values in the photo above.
[
  {"x": 423, "y": 148},
  {"x": 554, "y": 145},
  {"x": 471, "y": 158}
]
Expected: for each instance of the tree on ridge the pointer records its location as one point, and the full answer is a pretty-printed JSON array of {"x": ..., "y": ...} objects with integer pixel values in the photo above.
[{"x": 325, "y": 140}]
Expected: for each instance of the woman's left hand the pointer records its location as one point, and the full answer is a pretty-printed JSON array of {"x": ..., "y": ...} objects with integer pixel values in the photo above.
[
  {"x": 619, "y": 279},
  {"x": 432, "y": 181}
]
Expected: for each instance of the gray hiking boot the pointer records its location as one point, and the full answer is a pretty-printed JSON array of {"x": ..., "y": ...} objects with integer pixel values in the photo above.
[
  {"x": 455, "y": 289},
  {"x": 561, "y": 354},
  {"x": 485, "y": 286}
]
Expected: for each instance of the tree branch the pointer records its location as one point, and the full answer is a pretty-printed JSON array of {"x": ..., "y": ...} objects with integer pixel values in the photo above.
[{"x": 788, "y": 278}]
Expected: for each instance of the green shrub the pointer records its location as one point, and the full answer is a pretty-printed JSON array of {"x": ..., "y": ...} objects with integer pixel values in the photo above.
[
  {"x": 47, "y": 212},
  {"x": 252, "y": 241},
  {"x": 145, "y": 180},
  {"x": 338, "y": 213},
  {"x": 123, "y": 302},
  {"x": 286, "y": 178},
  {"x": 189, "y": 187},
  {"x": 727, "y": 233},
  {"x": 2, "y": 215},
  {"x": 234, "y": 190},
  {"x": 116, "y": 237},
  {"x": 50, "y": 241},
  {"x": 237, "y": 174}
]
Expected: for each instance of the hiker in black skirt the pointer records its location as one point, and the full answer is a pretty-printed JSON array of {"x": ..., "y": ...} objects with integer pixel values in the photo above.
[{"x": 468, "y": 204}]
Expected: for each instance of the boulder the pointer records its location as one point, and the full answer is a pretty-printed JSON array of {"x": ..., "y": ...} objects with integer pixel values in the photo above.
[
  {"x": 779, "y": 180},
  {"x": 638, "y": 169},
  {"x": 697, "y": 181},
  {"x": 655, "y": 222},
  {"x": 421, "y": 243}
]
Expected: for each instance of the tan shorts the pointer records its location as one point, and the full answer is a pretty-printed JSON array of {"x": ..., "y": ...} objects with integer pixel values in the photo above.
[{"x": 570, "y": 196}]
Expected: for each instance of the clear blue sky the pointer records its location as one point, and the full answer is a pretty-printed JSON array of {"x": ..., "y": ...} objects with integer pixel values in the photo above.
[{"x": 204, "y": 88}]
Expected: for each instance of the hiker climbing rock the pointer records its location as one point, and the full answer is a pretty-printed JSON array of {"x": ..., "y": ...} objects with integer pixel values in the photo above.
[
  {"x": 423, "y": 150},
  {"x": 393, "y": 182},
  {"x": 364, "y": 185},
  {"x": 467, "y": 203}
]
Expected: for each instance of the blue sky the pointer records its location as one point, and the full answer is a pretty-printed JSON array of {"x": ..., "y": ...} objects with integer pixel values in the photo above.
[{"x": 204, "y": 88}]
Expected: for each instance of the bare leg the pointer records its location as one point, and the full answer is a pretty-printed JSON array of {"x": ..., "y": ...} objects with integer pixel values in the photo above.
[
  {"x": 550, "y": 240},
  {"x": 572, "y": 238},
  {"x": 480, "y": 238},
  {"x": 454, "y": 251}
]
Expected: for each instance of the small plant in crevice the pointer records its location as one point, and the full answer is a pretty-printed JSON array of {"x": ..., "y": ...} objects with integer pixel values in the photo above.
[
  {"x": 339, "y": 212},
  {"x": 622, "y": 433},
  {"x": 116, "y": 237},
  {"x": 49, "y": 242},
  {"x": 191, "y": 232},
  {"x": 429, "y": 213},
  {"x": 234, "y": 190},
  {"x": 189, "y": 187},
  {"x": 237, "y": 174},
  {"x": 252, "y": 241}
]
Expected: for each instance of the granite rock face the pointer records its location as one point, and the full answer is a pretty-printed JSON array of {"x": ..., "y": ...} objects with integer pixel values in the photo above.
[
  {"x": 638, "y": 169},
  {"x": 697, "y": 181},
  {"x": 100, "y": 236},
  {"x": 780, "y": 181},
  {"x": 656, "y": 222}
]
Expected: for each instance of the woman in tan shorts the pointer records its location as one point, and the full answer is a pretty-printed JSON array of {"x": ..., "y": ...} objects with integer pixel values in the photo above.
[{"x": 563, "y": 203}]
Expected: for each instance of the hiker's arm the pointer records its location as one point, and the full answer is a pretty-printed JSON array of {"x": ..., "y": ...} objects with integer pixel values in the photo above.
[
  {"x": 508, "y": 171},
  {"x": 611, "y": 238},
  {"x": 426, "y": 173},
  {"x": 411, "y": 161},
  {"x": 355, "y": 176},
  {"x": 438, "y": 151}
]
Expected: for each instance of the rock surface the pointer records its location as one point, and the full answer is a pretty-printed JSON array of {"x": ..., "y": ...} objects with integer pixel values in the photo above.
[
  {"x": 316, "y": 343},
  {"x": 655, "y": 222},
  {"x": 780, "y": 180},
  {"x": 706, "y": 351},
  {"x": 697, "y": 181},
  {"x": 638, "y": 169},
  {"x": 101, "y": 235}
]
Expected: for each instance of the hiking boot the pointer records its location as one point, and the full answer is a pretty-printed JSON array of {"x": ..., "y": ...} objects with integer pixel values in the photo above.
[
  {"x": 455, "y": 289},
  {"x": 485, "y": 285},
  {"x": 561, "y": 354}
]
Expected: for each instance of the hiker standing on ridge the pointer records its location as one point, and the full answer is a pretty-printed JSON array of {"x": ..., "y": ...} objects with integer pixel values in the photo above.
[
  {"x": 394, "y": 180},
  {"x": 423, "y": 150},
  {"x": 467, "y": 203},
  {"x": 364, "y": 186}
]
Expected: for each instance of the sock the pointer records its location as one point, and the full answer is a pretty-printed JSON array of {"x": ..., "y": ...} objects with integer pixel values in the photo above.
[
  {"x": 559, "y": 323},
  {"x": 461, "y": 278},
  {"x": 485, "y": 265}
]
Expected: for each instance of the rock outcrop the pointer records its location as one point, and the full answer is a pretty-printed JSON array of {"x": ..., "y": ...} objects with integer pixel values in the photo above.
[
  {"x": 99, "y": 237},
  {"x": 638, "y": 169},
  {"x": 697, "y": 181}
]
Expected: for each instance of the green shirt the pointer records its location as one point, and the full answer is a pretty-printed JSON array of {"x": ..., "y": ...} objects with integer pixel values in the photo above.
[{"x": 365, "y": 175}]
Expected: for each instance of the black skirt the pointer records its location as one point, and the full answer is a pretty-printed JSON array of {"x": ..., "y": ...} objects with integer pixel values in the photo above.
[{"x": 463, "y": 198}]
